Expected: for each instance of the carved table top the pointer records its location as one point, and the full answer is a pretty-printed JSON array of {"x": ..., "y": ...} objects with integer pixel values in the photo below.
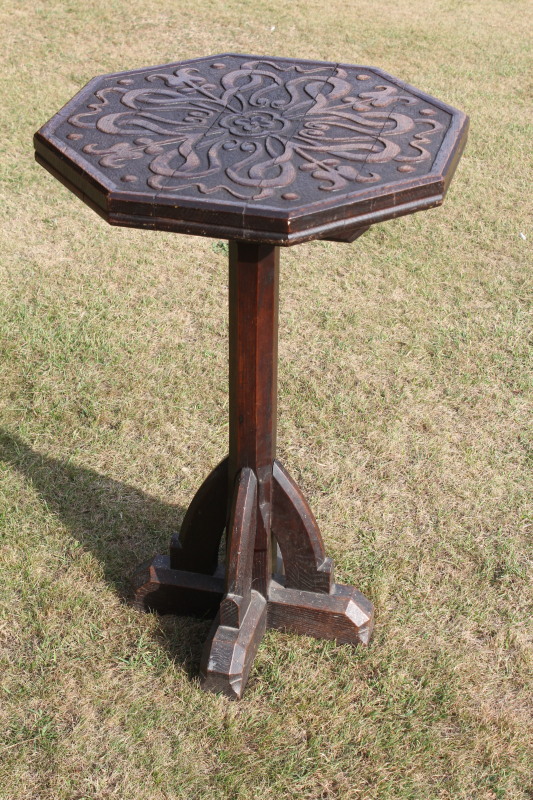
[{"x": 245, "y": 147}]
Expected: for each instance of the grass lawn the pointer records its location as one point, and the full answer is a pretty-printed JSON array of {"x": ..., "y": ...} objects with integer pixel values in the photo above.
[{"x": 404, "y": 415}]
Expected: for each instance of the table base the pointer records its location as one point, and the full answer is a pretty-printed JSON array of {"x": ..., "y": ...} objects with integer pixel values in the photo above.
[
  {"x": 255, "y": 501},
  {"x": 302, "y": 598}
]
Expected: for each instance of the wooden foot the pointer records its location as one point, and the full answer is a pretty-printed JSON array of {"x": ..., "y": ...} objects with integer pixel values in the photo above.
[
  {"x": 345, "y": 615},
  {"x": 157, "y": 587},
  {"x": 229, "y": 652}
]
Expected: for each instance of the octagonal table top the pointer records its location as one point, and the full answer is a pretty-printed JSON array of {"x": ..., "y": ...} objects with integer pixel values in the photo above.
[{"x": 253, "y": 148}]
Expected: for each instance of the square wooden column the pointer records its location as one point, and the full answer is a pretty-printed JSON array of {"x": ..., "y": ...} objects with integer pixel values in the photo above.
[{"x": 253, "y": 359}]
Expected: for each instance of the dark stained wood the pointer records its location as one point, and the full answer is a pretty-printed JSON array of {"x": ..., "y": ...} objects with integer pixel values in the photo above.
[
  {"x": 240, "y": 550},
  {"x": 197, "y": 545},
  {"x": 254, "y": 148},
  {"x": 229, "y": 652},
  {"x": 253, "y": 358},
  {"x": 262, "y": 151},
  {"x": 158, "y": 587},
  {"x": 349, "y": 235},
  {"x": 345, "y": 615},
  {"x": 298, "y": 536}
]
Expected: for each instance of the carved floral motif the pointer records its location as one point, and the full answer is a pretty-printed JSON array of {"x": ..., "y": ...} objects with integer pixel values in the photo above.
[{"x": 255, "y": 129}]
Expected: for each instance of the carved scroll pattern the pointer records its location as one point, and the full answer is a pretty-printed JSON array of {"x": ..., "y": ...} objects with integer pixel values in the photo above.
[{"x": 253, "y": 132}]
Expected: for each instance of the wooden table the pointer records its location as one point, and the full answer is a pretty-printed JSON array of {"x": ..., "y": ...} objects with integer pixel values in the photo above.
[{"x": 263, "y": 152}]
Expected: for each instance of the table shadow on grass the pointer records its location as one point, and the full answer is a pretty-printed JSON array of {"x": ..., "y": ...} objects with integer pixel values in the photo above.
[{"x": 121, "y": 525}]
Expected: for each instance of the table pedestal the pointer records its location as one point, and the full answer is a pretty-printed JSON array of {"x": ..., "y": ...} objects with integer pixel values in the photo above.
[{"x": 251, "y": 497}]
